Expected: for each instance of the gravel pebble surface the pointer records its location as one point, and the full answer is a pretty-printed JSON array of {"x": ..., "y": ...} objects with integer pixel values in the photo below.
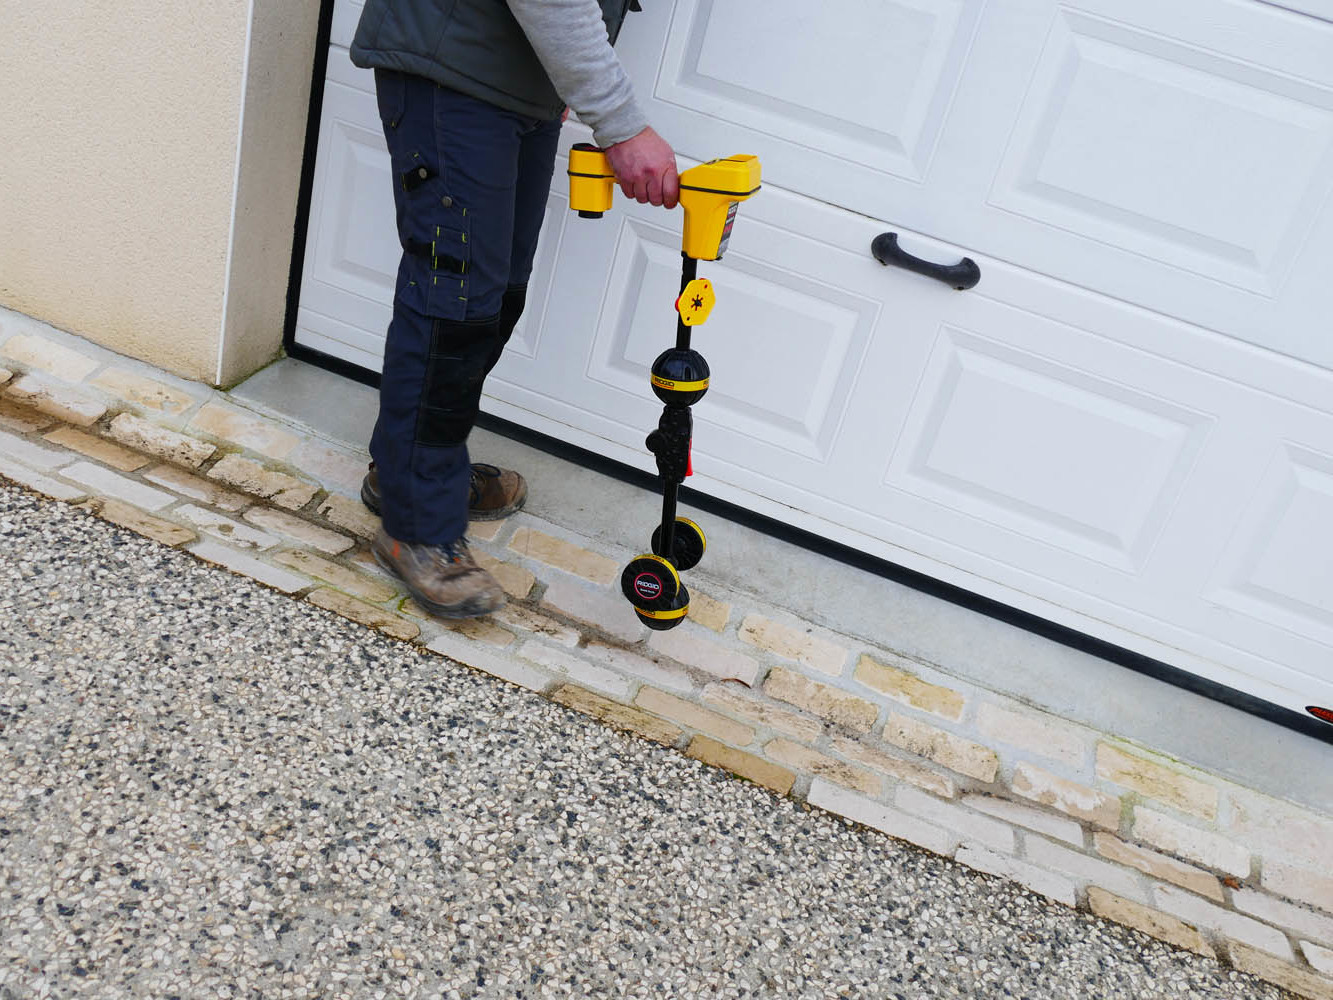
[{"x": 208, "y": 789}]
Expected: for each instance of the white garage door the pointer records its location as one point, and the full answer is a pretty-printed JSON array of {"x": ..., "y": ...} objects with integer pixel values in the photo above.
[{"x": 1126, "y": 427}]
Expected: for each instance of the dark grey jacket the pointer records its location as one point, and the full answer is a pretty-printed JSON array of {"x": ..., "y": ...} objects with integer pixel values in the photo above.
[{"x": 509, "y": 53}]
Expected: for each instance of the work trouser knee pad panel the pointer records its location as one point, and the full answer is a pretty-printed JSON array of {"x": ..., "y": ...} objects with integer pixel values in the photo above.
[{"x": 460, "y": 356}]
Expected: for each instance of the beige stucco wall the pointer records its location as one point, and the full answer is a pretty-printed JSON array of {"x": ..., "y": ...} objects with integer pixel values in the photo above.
[{"x": 120, "y": 123}]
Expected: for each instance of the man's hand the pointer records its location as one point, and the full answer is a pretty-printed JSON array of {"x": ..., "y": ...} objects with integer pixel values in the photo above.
[{"x": 645, "y": 167}]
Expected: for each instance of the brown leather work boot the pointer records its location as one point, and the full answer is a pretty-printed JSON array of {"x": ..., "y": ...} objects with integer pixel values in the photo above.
[
  {"x": 494, "y": 493},
  {"x": 444, "y": 579}
]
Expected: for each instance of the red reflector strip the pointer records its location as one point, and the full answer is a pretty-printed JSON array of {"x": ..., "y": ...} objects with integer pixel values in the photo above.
[{"x": 1326, "y": 714}]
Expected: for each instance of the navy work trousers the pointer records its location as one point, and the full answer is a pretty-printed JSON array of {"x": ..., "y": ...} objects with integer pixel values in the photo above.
[{"x": 470, "y": 188}]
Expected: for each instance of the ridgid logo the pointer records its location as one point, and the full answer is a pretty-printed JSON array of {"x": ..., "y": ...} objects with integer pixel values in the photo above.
[{"x": 648, "y": 586}]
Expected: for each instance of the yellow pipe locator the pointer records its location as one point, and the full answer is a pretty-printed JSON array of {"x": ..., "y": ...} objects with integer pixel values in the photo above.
[{"x": 709, "y": 196}]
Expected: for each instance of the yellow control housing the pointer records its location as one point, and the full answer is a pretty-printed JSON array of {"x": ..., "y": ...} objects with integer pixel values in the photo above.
[
  {"x": 709, "y": 194},
  {"x": 591, "y": 181}
]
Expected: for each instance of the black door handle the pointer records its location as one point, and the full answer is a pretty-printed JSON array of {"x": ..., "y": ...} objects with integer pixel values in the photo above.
[{"x": 961, "y": 276}]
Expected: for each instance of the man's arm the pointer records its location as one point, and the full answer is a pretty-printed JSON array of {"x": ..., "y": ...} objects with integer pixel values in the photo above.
[{"x": 570, "y": 40}]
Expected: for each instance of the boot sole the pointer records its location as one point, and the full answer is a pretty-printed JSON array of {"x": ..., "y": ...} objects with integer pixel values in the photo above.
[{"x": 449, "y": 612}]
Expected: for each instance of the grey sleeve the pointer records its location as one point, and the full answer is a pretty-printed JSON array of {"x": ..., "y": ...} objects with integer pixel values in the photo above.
[{"x": 570, "y": 39}]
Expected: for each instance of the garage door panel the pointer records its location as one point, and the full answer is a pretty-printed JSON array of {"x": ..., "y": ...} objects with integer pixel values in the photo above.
[
  {"x": 1270, "y": 571},
  {"x": 1143, "y": 143},
  {"x": 525, "y": 343},
  {"x": 1045, "y": 450},
  {"x": 765, "y": 68},
  {"x": 346, "y": 14},
  {"x": 354, "y": 250}
]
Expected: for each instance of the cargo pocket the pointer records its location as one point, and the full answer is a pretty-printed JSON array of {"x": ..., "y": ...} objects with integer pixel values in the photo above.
[{"x": 434, "y": 230}]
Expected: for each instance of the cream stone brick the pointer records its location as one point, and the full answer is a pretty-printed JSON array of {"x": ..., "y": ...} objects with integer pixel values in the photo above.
[
  {"x": 350, "y": 515},
  {"x": 1159, "y": 866},
  {"x": 693, "y": 716},
  {"x": 55, "y": 359},
  {"x": 578, "y": 669},
  {"x": 1306, "y": 923},
  {"x": 526, "y": 620},
  {"x": 837, "y": 706},
  {"x": 691, "y": 646},
  {"x": 595, "y": 606},
  {"x": 1157, "y": 780},
  {"x": 1018, "y": 814},
  {"x": 654, "y": 670},
  {"x": 290, "y": 526},
  {"x": 747, "y": 765},
  {"x": 1039, "y": 880},
  {"x": 791, "y": 643},
  {"x": 1068, "y": 797},
  {"x": 516, "y": 581},
  {"x": 139, "y": 522},
  {"x": 707, "y": 611},
  {"x": 1083, "y": 867},
  {"x": 1152, "y": 922},
  {"x": 240, "y": 562},
  {"x": 37, "y": 482},
  {"x": 1282, "y": 832},
  {"x": 103, "y": 482},
  {"x": 365, "y": 614},
  {"x": 486, "y": 531},
  {"x": 196, "y": 488},
  {"x": 953, "y": 752},
  {"x": 174, "y": 447},
  {"x": 476, "y": 629},
  {"x": 1201, "y": 913},
  {"x": 284, "y": 490},
  {"x": 803, "y": 758},
  {"x": 737, "y": 699},
  {"x": 1200, "y": 846},
  {"x": 970, "y": 825},
  {"x": 225, "y": 529},
  {"x": 338, "y": 468},
  {"x": 483, "y": 657},
  {"x": 1298, "y": 981},
  {"x": 895, "y": 767},
  {"x": 245, "y": 429},
  {"x": 347, "y": 580},
  {"x": 1320, "y": 958},
  {"x": 876, "y": 815},
  {"x": 1037, "y": 734},
  {"x": 563, "y": 555},
  {"x": 145, "y": 392},
  {"x": 22, "y": 419},
  {"x": 615, "y": 714},
  {"x": 901, "y": 685},
  {"x": 96, "y": 448},
  {"x": 1300, "y": 884},
  {"x": 56, "y": 400},
  {"x": 32, "y": 454}
]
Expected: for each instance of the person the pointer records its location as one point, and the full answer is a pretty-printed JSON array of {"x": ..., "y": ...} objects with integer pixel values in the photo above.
[{"x": 471, "y": 96}]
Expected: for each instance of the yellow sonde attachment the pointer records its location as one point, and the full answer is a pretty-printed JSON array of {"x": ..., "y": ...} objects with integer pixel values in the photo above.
[
  {"x": 591, "y": 181},
  {"x": 696, "y": 301},
  {"x": 709, "y": 193}
]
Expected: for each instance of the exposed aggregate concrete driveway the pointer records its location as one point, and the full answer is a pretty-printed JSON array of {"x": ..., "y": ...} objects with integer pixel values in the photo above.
[{"x": 211, "y": 790}]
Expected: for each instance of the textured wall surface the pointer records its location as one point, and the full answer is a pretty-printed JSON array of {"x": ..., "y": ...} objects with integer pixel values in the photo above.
[
  {"x": 282, "y": 51},
  {"x": 120, "y": 127}
]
